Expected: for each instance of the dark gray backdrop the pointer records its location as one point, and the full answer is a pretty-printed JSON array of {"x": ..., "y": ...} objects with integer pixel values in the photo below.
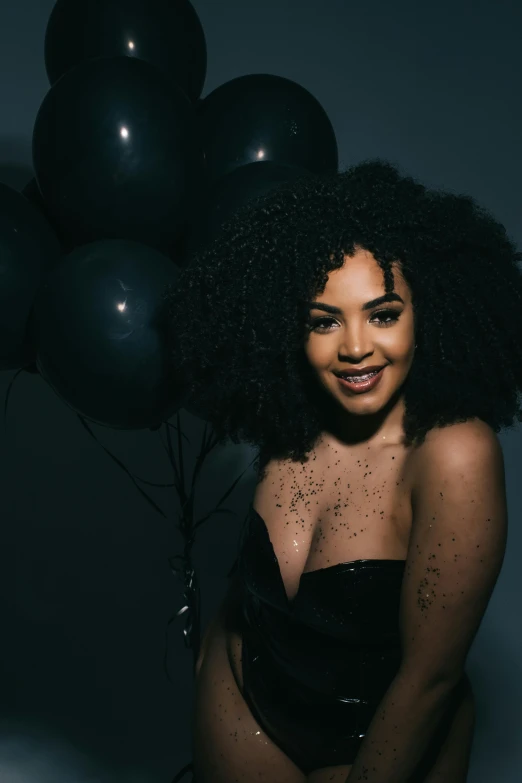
[{"x": 86, "y": 590}]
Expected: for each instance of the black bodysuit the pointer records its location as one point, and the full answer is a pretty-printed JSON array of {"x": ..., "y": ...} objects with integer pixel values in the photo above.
[{"x": 315, "y": 668}]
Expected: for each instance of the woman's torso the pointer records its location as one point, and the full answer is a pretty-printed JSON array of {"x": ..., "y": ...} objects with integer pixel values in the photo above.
[
  {"x": 344, "y": 504},
  {"x": 340, "y": 507}
]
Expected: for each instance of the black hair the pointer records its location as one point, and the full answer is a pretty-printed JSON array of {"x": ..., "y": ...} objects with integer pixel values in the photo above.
[{"x": 237, "y": 319}]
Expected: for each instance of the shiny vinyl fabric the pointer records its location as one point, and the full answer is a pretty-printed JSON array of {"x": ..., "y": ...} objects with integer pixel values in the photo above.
[{"x": 315, "y": 668}]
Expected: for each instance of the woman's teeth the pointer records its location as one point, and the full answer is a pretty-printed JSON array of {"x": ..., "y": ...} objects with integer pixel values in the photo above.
[{"x": 357, "y": 378}]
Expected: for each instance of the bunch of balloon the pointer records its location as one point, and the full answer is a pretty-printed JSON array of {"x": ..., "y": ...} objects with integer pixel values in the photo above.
[
  {"x": 117, "y": 161},
  {"x": 92, "y": 243},
  {"x": 134, "y": 172}
]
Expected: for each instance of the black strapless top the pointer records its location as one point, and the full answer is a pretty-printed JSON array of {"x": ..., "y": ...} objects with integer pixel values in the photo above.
[{"x": 316, "y": 667}]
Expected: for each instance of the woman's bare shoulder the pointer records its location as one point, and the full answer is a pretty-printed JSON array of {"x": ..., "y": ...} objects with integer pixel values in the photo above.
[{"x": 451, "y": 441}]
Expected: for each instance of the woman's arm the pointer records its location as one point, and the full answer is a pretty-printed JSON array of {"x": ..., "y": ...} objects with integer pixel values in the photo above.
[
  {"x": 455, "y": 554},
  {"x": 225, "y": 617}
]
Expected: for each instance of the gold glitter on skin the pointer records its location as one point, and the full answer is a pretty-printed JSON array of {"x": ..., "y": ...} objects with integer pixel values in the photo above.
[{"x": 352, "y": 507}]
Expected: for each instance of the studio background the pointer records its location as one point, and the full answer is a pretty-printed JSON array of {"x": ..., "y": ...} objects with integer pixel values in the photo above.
[{"x": 86, "y": 590}]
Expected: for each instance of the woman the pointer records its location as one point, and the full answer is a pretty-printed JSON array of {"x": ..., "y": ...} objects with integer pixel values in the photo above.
[{"x": 378, "y": 525}]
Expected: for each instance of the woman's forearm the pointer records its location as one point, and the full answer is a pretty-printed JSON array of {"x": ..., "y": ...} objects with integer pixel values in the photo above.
[
  {"x": 407, "y": 729},
  {"x": 226, "y": 611}
]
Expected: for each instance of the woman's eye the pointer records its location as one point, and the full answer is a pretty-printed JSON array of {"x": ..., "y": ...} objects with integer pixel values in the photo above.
[
  {"x": 316, "y": 325},
  {"x": 324, "y": 324},
  {"x": 392, "y": 315}
]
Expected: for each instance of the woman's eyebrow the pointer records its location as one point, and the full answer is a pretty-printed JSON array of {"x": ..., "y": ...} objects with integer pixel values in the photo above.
[{"x": 391, "y": 297}]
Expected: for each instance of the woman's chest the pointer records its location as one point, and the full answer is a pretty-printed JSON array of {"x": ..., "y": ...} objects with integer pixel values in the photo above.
[{"x": 336, "y": 509}]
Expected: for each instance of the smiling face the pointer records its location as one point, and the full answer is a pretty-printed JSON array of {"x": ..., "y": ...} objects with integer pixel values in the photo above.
[{"x": 350, "y": 333}]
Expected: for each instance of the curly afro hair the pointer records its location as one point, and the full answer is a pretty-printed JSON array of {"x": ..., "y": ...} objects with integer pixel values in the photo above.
[{"x": 246, "y": 369}]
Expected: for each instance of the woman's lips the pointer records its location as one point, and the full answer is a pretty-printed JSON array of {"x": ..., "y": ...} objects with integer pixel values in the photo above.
[{"x": 362, "y": 386}]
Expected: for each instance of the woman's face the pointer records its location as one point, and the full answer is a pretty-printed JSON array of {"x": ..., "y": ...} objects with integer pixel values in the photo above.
[{"x": 351, "y": 335}]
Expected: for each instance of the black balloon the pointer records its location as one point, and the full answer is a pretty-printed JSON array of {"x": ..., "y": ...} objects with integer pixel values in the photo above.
[
  {"x": 116, "y": 153},
  {"x": 261, "y": 117},
  {"x": 100, "y": 328},
  {"x": 28, "y": 249},
  {"x": 165, "y": 33},
  {"x": 224, "y": 197},
  {"x": 32, "y": 192}
]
